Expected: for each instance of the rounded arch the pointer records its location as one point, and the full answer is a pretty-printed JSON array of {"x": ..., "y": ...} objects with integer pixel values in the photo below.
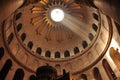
[
  {"x": 76, "y": 50},
  {"x": 84, "y": 44},
  {"x": 57, "y": 54},
  {"x": 23, "y": 36},
  {"x": 97, "y": 74},
  {"x": 91, "y": 36},
  {"x": 19, "y": 74},
  {"x": 47, "y": 53},
  {"x": 5, "y": 69},
  {"x": 39, "y": 50},
  {"x": 19, "y": 27},
  {"x": 30, "y": 44},
  {"x": 95, "y": 27},
  {"x": 109, "y": 70},
  {"x": 95, "y": 16},
  {"x": 66, "y": 53}
]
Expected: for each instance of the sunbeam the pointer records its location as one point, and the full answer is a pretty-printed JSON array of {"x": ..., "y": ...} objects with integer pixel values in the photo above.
[{"x": 75, "y": 25}]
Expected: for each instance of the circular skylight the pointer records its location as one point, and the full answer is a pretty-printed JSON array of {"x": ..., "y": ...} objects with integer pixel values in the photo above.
[{"x": 57, "y": 15}]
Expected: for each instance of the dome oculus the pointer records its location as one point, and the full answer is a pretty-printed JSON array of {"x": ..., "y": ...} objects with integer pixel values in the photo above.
[{"x": 57, "y": 15}]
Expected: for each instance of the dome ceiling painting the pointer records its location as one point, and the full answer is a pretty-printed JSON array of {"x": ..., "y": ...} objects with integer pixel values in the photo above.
[
  {"x": 46, "y": 34},
  {"x": 54, "y": 31}
]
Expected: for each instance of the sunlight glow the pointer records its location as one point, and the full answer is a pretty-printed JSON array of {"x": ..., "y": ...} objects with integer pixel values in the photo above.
[
  {"x": 76, "y": 25},
  {"x": 115, "y": 45},
  {"x": 57, "y": 15}
]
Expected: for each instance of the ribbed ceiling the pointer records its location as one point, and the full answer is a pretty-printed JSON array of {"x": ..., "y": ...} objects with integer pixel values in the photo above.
[{"x": 40, "y": 34}]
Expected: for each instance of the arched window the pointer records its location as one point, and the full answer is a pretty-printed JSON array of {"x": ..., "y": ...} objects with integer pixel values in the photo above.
[
  {"x": 48, "y": 54},
  {"x": 109, "y": 70},
  {"x": 115, "y": 55},
  {"x": 66, "y": 53},
  {"x": 83, "y": 77},
  {"x": 5, "y": 69},
  {"x": 97, "y": 74},
  {"x": 18, "y": 16},
  {"x": 118, "y": 27},
  {"x": 76, "y": 50},
  {"x": 10, "y": 38},
  {"x": 23, "y": 36},
  {"x": 32, "y": 77},
  {"x": 19, "y": 74},
  {"x": 91, "y": 36},
  {"x": 1, "y": 52},
  {"x": 39, "y": 50},
  {"x": 19, "y": 27},
  {"x": 30, "y": 45},
  {"x": 57, "y": 54},
  {"x": 95, "y": 16},
  {"x": 84, "y": 44},
  {"x": 95, "y": 27}
]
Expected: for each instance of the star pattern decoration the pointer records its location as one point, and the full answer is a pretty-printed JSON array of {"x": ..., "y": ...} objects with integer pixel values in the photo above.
[{"x": 45, "y": 25}]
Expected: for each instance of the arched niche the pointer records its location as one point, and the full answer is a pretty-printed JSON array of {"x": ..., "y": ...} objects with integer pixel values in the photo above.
[
  {"x": 109, "y": 70},
  {"x": 115, "y": 55},
  {"x": 5, "y": 69},
  {"x": 97, "y": 74}
]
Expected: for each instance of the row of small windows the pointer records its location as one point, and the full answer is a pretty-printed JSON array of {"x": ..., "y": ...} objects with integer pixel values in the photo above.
[
  {"x": 48, "y": 53},
  {"x": 66, "y": 53},
  {"x": 57, "y": 54},
  {"x": 39, "y": 50}
]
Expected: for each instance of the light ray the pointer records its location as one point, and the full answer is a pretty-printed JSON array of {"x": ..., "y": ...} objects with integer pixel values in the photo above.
[{"x": 77, "y": 26}]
